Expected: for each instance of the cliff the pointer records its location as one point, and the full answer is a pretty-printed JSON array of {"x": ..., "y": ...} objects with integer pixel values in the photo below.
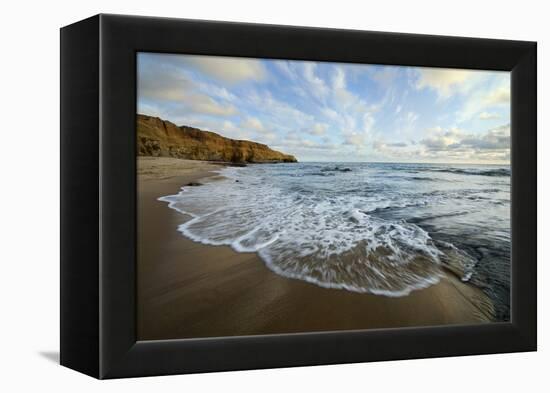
[{"x": 157, "y": 137}]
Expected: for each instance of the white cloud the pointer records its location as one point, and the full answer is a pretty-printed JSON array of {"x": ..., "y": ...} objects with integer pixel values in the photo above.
[
  {"x": 167, "y": 84},
  {"x": 329, "y": 113},
  {"x": 339, "y": 79},
  {"x": 356, "y": 139},
  {"x": 391, "y": 149},
  {"x": 486, "y": 98},
  {"x": 316, "y": 84},
  {"x": 328, "y": 109},
  {"x": 229, "y": 69},
  {"x": 385, "y": 76},
  {"x": 444, "y": 81},
  {"x": 253, "y": 123},
  {"x": 294, "y": 144},
  {"x": 491, "y": 145},
  {"x": 443, "y": 140},
  {"x": 495, "y": 139},
  {"x": 405, "y": 124},
  {"x": 412, "y": 117},
  {"x": 451, "y": 145},
  {"x": 488, "y": 116},
  {"x": 228, "y": 126},
  {"x": 343, "y": 99},
  {"x": 498, "y": 96},
  {"x": 435, "y": 129},
  {"x": 285, "y": 67},
  {"x": 318, "y": 129},
  {"x": 277, "y": 111},
  {"x": 259, "y": 130},
  {"x": 204, "y": 104},
  {"x": 349, "y": 113},
  {"x": 216, "y": 91},
  {"x": 368, "y": 122}
]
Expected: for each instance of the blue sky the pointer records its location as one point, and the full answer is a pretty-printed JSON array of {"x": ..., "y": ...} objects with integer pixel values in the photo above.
[{"x": 322, "y": 111}]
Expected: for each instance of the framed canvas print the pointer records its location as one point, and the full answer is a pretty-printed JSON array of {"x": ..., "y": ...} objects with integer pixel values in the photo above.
[{"x": 239, "y": 196}]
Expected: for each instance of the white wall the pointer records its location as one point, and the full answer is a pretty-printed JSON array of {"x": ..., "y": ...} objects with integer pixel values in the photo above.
[{"x": 29, "y": 219}]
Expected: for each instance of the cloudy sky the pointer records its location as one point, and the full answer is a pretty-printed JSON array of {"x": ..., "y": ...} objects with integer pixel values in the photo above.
[{"x": 334, "y": 111}]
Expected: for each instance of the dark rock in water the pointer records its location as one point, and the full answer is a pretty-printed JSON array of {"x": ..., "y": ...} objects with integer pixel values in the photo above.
[
  {"x": 194, "y": 184},
  {"x": 335, "y": 169},
  {"x": 237, "y": 181},
  {"x": 237, "y": 164}
]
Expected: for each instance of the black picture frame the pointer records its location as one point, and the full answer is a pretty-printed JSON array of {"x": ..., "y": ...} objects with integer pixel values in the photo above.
[{"x": 98, "y": 196}]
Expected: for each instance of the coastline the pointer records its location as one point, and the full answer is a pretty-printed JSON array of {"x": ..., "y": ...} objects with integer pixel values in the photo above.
[{"x": 190, "y": 290}]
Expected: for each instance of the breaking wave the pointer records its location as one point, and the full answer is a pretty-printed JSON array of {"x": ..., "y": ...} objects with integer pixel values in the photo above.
[{"x": 321, "y": 232}]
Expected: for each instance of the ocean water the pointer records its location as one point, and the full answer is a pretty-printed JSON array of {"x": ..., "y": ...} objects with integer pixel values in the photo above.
[{"x": 380, "y": 228}]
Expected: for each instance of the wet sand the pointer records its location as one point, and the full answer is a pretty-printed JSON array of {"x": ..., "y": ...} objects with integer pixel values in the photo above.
[{"x": 190, "y": 290}]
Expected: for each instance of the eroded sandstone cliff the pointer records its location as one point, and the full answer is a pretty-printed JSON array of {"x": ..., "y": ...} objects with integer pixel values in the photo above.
[{"x": 161, "y": 138}]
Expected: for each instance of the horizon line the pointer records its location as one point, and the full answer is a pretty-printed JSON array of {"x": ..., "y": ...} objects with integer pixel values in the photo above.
[
  {"x": 272, "y": 146},
  {"x": 402, "y": 162}
]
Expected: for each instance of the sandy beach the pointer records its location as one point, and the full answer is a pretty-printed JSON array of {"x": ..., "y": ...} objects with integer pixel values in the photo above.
[{"x": 189, "y": 290}]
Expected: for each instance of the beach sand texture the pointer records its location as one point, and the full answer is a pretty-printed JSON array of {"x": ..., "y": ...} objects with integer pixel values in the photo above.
[{"x": 190, "y": 290}]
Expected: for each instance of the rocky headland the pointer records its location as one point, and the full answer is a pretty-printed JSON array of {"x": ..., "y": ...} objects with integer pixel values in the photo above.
[{"x": 161, "y": 138}]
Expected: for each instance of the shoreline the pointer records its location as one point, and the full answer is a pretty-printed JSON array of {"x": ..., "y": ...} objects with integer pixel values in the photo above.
[{"x": 190, "y": 290}]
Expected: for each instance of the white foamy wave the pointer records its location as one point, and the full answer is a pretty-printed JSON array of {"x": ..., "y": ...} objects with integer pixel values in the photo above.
[{"x": 322, "y": 238}]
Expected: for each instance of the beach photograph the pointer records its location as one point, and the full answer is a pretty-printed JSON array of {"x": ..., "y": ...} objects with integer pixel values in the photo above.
[{"x": 285, "y": 196}]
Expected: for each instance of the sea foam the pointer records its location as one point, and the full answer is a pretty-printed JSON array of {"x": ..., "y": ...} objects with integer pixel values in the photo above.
[{"x": 326, "y": 238}]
